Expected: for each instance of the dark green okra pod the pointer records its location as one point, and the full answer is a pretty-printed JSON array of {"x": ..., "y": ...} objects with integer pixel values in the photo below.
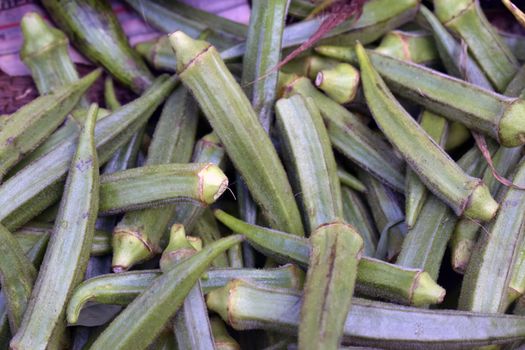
[
  {"x": 235, "y": 122},
  {"x": 68, "y": 252}
]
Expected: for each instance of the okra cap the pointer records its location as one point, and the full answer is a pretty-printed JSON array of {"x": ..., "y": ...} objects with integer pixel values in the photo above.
[
  {"x": 340, "y": 83},
  {"x": 186, "y": 49},
  {"x": 511, "y": 131},
  {"x": 128, "y": 249},
  {"x": 446, "y": 10},
  {"x": 212, "y": 183},
  {"x": 38, "y": 35},
  {"x": 426, "y": 291},
  {"x": 480, "y": 204}
]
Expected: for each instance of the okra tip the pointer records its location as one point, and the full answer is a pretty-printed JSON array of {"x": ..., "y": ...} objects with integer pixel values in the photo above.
[
  {"x": 461, "y": 255},
  {"x": 128, "y": 249},
  {"x": 426, "y": 291},
  {"x": 480, "y": 204},
  {"x": 38, "y": 34},
  {"x": 186, "y": 48},
  {"x": 212, "y": 183},
  {"x": 511, "y": 131}
]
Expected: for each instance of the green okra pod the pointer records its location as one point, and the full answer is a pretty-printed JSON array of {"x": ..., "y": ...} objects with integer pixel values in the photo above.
[
  {"x": 310, "y": 160},
  {"x": 248, "y": 306},
  {"x": 158, "y": 53},
  {"x": 349, "y": 180},
  {"x": 516, "y": 285},
  {"x": 374, "y": 277},
  {"x": 464, "y": 194},
  {"x": 207, "y": 228},
  {"x": 24, "y": 130},
  {"x": 353, "y": 138},
  {"x": 66, "y": 257},
  {"x": 24, "y": 196},
  {"x": 33, "y": 245},
  {"x": 417, "y": 47},
  {"x": 309, "y": 66},
  {"x": 340, "y": 83},
  {"x": 466, "y": 19},
  {"x": 137, "y": 235},
  {"x": 161, "y": 300},
  {"x": 95, "y": 31},
  {"x": 223, "y": 340},
  {"x": 236, "y": 124},
  {"x": 330, "y": 279}
]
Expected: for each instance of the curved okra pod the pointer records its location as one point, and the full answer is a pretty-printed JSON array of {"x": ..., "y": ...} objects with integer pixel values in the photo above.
[
  {"x": 310, "y": 161},
  {"x": 137, "y": 236},
  {"x": 466, "y": 19},
  {"x": 353, "y": 138},
  {"x": 156, "y": 305},
  {"x": 340, "y": 83},
  {"x": 95, "y": 31},
  {"x": 247, "y": 144},
  {"x": 27, "y": 128},
  {"x": 68, "y": 251},
  {"x": 23, "y": 196},
  {"x": 248, "y": 306},
  {"x": 464, "y": 194},
  {"x": 375, "y": 278}
]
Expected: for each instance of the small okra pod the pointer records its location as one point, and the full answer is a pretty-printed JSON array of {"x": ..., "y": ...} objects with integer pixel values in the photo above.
[
  {"x": 489, "y": 272},
  {"x": 330, "y": 280},
  {"x": 157, "y": 304},
  {"x": 466, "y": 19},
  {"x": 340, "y": 83},
  {"x": 309, "y": 159},
  {"x": 418, "y": 47},
  {"x": 349, "y": 180},
  {"x": 463, "y": 193},
  {"x": 223, "y": 340},
  {"x": 67, "y": 254},
  {"x": 352, "y": 137},
  {"x": 235, "y": 122},
  {"x": 27, "y": 128},
  {"x": 249, "y": 306},
  {"x": 375, "y": 278}
]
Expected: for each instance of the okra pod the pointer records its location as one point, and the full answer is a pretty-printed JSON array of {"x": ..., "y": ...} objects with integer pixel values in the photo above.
[
  {"x": 340, "y": 83},
  {"x": 153, "y": 308},
  {"x": 95, "y": 31},
  {"x": 466, "y": 19},
  {"x": 236, "y": 124},
  {"x": 310, "y": 161},
  {"x": 158, "y": 53},
  {"x": 207, "y": 228},
  {"x": 66, "y": 257},
  {"x": 247, "y": 306},
  {"x": 417, "y": 47},
  {"x": 33, "y": 245},
  {"x": 309, "y": 66},
  {"x": 137, "y": 235},
  {"x": 349, "y": 180},
  {"x": 375, "y": 278},
  {"x": 464, "y": 194},
  {"x": 223, "y": 341},
  {"x": 353, "y": 138}
]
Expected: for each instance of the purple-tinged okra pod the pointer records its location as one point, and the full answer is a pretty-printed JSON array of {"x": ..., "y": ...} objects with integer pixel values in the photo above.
[
  {"x": 23, "y": 196},
  {"x": 248, "y": 306},
  {"x": 349, "y": 180},
  {"x": 67, "y": 254},
  {"x": 157, "y": 304},
  {"x": 375, "y": 278},
  {"x": 464, "y": 194},
  {"x": 95, "y": 31},
  {"x": 466, "y": 19},
  {"x": 340, "y": 83},
  {"x": 137, "y": 236},
  {"x": 235, "y": 122},
  {"x": 352, "y": 137},
  {"x": 485, "y": 286},
  {"x": 223, "y": 340}
]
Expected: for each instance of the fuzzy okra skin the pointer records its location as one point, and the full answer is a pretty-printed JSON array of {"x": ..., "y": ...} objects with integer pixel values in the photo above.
[
  {"x": 374, "y": 277},
  {"x": 369, "y": 323},
  {"x": 95, "y": 31},
  {"x": 68, "y": 252},
  {"x": 232, "y": 117},
  {"x": 464, "y": 194},
  {"x": 156, "y": 305}
]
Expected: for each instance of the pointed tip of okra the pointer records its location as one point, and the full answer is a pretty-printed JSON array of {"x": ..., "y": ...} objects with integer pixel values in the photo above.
[
  {"x": 511, "y": 131},
  {"x": 340, "y": 83},
  {"x": 212, "y": 183},
  {"x": 178, "y": 248},
  {"x": 38, "y": 35},
  {"x": 461, "y": 255},
  {"x": 186, "y": 49},
  {"x": 481, "y": 205},
  {"x": 426, "y": 291},
  {"x": 128, "y": 250}
]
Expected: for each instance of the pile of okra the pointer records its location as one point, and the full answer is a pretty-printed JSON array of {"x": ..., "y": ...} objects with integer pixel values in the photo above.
[{"x": 245, "y": 202}]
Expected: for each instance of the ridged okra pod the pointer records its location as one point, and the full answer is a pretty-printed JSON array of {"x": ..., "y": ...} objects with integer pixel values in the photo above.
[
  {"x": 95, "y": 31},
  {"x": 248, "y": 306},
  {"x": 464, "y": 194},
  {"x": 417, "y": 47},
  {"x": 352, "y": 137},
  {"x": 25, "y": 195},
  {"x": 466, "y": 19},
  {"x": 27, "y": 128},
  {"x": 330, "y": 279},
  {"x": 68, "y": 252},
  {"x": 310, "y": 161},
  {"x": 374, "y": 277},
  {"x": 341, "y": 83},
  {"x": 137, "y": 235},
  {"x": 153, "y": 308},
  {"x": 233, "y": 119}
]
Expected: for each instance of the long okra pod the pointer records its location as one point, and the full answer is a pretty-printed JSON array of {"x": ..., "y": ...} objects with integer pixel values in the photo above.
[
  {"x": 236, "y": 124},
  {"x": 95, "y": 31},
  {"x": 137, "y": 235},
  {"x": 374, "y": 277},
  {"x": 66, "y": 257},
  {"x": 464, "y": 194},
  {"x": 161, "y": 300}
]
